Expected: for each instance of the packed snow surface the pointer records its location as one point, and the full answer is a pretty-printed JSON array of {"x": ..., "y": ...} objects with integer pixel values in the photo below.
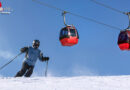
[{"x": 66, "y": 83}]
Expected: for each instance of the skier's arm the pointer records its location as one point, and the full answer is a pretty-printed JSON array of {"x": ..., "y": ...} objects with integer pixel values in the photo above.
[
  {"x": 24, "y": 49},
  {"x": 43, "y": 58}
]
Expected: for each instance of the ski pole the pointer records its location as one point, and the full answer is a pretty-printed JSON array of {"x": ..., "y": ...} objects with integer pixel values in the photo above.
[
  {"x": 46, "y": 69},
  {"x": 10, "y": 61}
]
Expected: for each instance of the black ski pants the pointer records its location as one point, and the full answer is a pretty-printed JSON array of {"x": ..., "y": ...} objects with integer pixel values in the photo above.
[{"x": 26, "y": 70}]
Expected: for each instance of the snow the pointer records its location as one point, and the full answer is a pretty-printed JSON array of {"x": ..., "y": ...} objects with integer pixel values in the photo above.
[{"x": 66, "y": 83}]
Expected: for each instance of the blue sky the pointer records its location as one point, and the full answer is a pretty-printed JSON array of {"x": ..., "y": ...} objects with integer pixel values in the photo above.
[{"x": 96, "y": 53}]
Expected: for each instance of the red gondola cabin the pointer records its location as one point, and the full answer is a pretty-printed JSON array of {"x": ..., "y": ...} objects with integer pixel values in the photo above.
[
  {"x": 0, "y": 4},
  {"x": 69, "y": 36},
  {"x": 124, "y": 40}
]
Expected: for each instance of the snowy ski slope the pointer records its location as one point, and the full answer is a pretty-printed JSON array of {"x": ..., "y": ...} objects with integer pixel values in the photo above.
[{"x": 66, "y": 83}]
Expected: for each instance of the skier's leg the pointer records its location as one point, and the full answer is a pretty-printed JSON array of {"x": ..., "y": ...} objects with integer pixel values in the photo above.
[
  {"x": 23, "y": 70},
  {"x": 29, "y": 72}
]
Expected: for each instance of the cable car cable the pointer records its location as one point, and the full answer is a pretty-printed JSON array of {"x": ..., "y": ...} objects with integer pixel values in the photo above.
[
  {"x": 106, "y": 6},
  {"x": 124, "y": 36},
  {"x": 47, "y": 5},
  {"x": 116, "y": 10},
  {"x": 85, "y": 18}
]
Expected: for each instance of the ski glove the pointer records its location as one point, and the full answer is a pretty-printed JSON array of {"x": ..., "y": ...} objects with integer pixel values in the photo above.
[
  {"x": 25, "y": 49},
  {"x": 45, "y": 58}
]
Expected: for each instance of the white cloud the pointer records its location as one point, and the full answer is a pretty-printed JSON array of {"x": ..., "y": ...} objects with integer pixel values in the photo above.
[
  {"x": 39, "y": 73},
  {"x": 6, "y": 54},
  {"x": 1, "y": 75},
  {"x": 78, "y": 70}
]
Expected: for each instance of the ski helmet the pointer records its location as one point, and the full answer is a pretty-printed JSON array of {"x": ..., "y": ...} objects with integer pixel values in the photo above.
[{"x": 36, "y": 43}]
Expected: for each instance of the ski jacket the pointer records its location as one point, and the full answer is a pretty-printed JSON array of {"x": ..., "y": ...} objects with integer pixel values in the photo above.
[{"x": 32, "y": 55}]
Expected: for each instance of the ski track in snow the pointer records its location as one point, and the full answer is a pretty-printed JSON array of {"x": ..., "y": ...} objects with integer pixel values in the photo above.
[{"x": 66, "y": 83}]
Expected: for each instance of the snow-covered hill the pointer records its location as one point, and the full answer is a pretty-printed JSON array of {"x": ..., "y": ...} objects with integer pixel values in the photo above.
[{"x": 66, "y": 83}]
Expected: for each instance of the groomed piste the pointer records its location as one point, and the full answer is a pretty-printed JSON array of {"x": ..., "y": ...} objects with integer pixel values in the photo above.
[{"x": 66, "y": 83}]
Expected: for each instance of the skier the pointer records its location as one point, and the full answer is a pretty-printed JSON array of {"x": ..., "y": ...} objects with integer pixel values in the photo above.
[{"x": 32, "y": 53}]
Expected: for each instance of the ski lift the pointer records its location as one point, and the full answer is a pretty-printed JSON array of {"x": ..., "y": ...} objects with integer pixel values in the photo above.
[
  {"x": 1, "y": 9},
  {"x": 4, "y": 10},
  {"x": 124, "y": 40},
  {"x": 68, "y": 34},
  {"x": 0, "y": 4},
  {"x": 124, "y": 37}
]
